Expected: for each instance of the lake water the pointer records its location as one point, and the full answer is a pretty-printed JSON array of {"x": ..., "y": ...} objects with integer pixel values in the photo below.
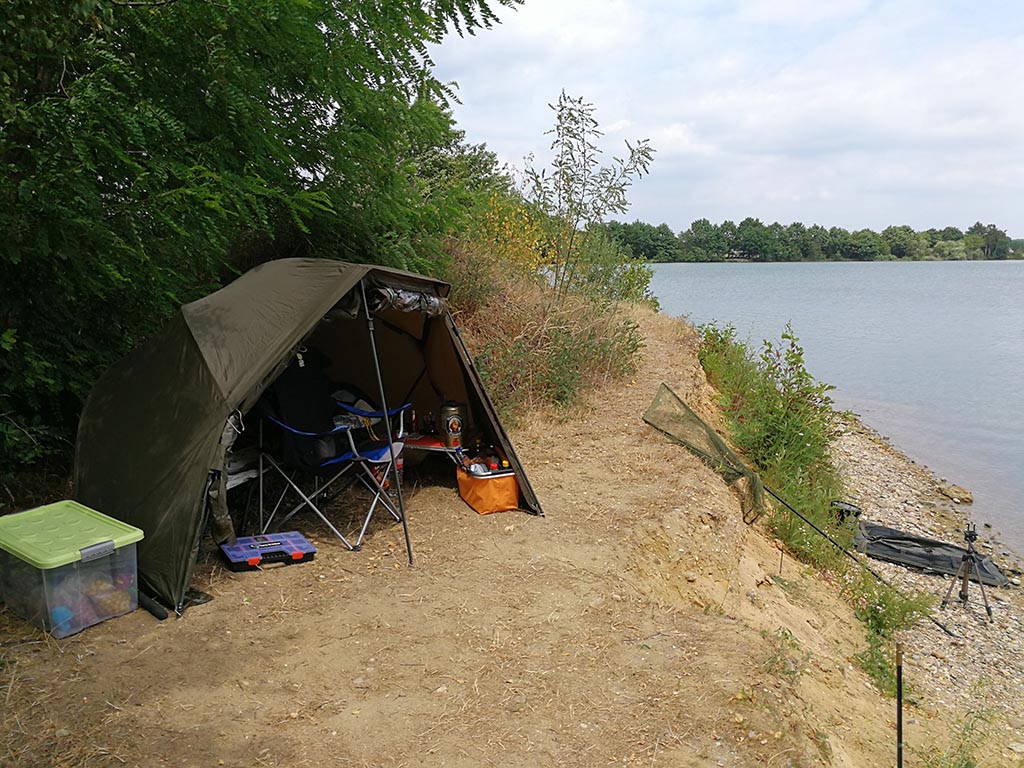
[{"x": 929, "y": 353}]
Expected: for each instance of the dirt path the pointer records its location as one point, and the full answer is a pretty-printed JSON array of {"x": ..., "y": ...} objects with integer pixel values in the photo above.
[{"x": 638, "y": 623}]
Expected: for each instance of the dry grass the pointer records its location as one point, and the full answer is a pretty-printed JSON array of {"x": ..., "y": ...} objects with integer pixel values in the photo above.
[{"x": 536, "y": 351}]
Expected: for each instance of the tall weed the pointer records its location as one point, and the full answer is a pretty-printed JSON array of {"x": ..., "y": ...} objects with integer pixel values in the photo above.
[
  {"x": 884, "y": 610},
  {"x": 781, "y": 419},
  {"x": 966, "y": 739},
  {"x": 531, "y": 347}
]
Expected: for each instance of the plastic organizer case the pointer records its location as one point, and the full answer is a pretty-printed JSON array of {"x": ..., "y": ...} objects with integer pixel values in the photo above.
[{"x": 252, "y": 552}]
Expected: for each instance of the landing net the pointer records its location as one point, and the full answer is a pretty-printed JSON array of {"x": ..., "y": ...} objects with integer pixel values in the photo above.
[{"x": 672, "y": 417}]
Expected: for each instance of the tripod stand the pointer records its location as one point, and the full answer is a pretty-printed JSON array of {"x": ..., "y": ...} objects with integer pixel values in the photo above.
[{"x": 970, "y": 562}]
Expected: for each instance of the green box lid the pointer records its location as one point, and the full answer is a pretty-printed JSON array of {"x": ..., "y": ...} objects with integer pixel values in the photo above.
[{"x": 55, "y": 535}]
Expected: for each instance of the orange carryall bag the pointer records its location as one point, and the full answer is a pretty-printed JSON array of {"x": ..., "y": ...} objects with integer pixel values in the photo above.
[{"x": 488, "y": 493}]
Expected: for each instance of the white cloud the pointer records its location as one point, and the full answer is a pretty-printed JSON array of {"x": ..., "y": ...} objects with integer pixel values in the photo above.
[
  {"x": 797, "y": 12},
  {"x": 680, "y": 140},
  {"x": 843, "y": 113}
]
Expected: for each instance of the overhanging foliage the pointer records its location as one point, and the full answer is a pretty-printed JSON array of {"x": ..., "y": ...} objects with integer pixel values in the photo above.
[{"x": 148, "y": 150}]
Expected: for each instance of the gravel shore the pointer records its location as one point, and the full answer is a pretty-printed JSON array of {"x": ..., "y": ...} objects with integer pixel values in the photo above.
[{"x": 983, "y": 667}]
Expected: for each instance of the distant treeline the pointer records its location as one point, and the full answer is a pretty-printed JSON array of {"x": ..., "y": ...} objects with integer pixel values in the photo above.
[{"x": 753, "y": 240}]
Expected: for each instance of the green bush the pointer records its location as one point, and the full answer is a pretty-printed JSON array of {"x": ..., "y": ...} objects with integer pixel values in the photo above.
[
  {"x": 608, "y": 271},
  {"x": 883, "y": 608},
  {"x": 781, "y": 419}
]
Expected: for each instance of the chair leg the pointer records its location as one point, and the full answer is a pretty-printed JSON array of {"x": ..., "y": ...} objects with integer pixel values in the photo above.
[
  {"x": 307, "y": 501},
  {"x": 380, "y": 496},
  {"x": 363, "y": 473}
]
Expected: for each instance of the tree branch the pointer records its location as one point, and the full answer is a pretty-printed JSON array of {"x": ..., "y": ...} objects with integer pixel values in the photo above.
[{"x": 142, "y": 3}]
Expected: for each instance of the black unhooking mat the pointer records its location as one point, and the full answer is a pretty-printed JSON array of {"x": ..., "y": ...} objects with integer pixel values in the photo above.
[{"x": 894, "y": 546}]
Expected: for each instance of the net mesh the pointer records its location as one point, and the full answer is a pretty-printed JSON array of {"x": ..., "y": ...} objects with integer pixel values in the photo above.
[{"x": 672, "y": 417}]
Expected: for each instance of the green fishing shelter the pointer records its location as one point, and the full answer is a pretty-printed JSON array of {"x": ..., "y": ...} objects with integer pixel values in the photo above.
[{"x": 155, "y": 429}]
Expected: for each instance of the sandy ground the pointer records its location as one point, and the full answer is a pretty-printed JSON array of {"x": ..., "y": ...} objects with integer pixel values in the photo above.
[{"x": 640, "y": 622}]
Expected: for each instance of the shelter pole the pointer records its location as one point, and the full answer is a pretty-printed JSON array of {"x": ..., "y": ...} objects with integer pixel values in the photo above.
[
  {"x": 387, "y": 420},
  {"x": 899, "y": 705},
  {"x": 261, "y": 474}
]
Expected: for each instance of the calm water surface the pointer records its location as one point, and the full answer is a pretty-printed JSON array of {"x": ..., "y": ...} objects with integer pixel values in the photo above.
[{"x": 930, "y": 354}]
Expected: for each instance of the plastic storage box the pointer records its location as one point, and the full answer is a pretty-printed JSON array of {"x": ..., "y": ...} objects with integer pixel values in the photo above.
[{"x": 65, "y": 567}]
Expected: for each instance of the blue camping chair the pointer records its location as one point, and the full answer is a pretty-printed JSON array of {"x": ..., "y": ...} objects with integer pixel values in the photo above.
[{"x": 332, "y": 441}]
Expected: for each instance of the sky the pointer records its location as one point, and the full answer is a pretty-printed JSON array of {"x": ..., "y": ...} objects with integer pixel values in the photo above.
[{"x": 847, "y": 113}]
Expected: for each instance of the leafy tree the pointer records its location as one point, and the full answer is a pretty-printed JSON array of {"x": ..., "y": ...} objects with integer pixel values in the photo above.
[
  {"x": 992, "y": 241},
  {"x": 815, "y": 243},
  {"x": 704, "y": 241},
  {"x": 647, "y": 241},
  {"x": 798, "y": 242},
  {"x": 951, "y": 250},
  {"x": 727, "y": 237},
  {"x": 147, "y": 150},
  {"x": 666, "y": 245},
  {"x": 706, "y": 236},
  {"x": 782, "y": 247},
  {"x": 752, "y": 239},
  {"x": 922, "y": 248},
  {"x": 579, "y": 193},
  {"x": 974, "y": 246},
  {"x": 867, "y": 245},
  {"x": 901, "y": 241},
  {"x": 838, "y": 245}
]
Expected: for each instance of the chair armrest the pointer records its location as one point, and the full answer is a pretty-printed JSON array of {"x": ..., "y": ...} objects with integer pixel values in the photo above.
[
  {"x": 400, "y": 410},
  {"x": 372, "y": 414},
  {"x": 336, "y": 430}
]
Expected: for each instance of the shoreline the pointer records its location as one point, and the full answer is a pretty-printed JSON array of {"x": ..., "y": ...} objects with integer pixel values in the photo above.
[
  {"x": 952, "y": 515},
  {"x": 956, "y": 420},
  {"x": 983, "y": 668}
]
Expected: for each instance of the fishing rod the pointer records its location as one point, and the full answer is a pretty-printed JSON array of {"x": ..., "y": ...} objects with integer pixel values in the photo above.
[
  {"x": 847, "y": 552},
  {"x": 720, "y": 457}
]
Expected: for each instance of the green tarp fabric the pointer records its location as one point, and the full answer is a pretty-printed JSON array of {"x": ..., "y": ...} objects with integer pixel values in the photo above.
[
  {"x": 895, "y": 546},
  {"x": 140, "y": 445},
  {"x": 150, "y": 432},
  {"x": 242, "y": 339}
]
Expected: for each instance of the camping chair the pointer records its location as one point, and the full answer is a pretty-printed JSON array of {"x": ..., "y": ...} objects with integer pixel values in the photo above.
[{"x": 331, "y": 440}]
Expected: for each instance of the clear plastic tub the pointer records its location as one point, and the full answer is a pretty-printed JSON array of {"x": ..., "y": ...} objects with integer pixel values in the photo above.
[{"x": 65, "y": 567}]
